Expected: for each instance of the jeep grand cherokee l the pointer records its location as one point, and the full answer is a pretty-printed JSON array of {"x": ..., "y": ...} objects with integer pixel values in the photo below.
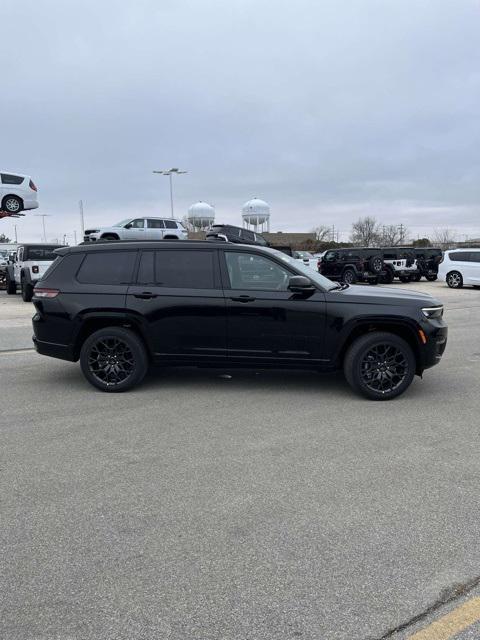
[{"x": 119, "y": 307}]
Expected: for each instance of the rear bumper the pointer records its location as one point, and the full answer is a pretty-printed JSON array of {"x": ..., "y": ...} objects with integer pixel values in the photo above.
[{"x": 54, "y": 350}]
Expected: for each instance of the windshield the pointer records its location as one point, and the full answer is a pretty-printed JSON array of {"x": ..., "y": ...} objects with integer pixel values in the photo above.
[
  {"x": 40, "y": 253},
  {"x": 316, "y": 277},
  {"x": 122, "y": 223}
]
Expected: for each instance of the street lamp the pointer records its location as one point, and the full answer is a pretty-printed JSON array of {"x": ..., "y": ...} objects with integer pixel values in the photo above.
[
  {"x": 169, "y": 173},
  {"x": 43, "y": 216}
]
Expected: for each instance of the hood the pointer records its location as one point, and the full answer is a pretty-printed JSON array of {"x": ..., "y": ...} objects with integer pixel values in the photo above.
[{"x": 385, "y": 295}]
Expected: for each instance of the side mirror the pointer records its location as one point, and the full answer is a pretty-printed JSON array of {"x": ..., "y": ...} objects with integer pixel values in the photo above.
[
  {"x": 300, "y": 284},
  {"x": 128, "y": 226}
]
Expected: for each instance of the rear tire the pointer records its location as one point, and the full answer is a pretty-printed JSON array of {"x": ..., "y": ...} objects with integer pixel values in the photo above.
[
  {"x": 431, "y": 278},
  {"x": 12, "y": 204},
  {"x": 11, "y": 286},
  {"x": 379, "y": 365},
  {"x": 388, "y": 277},
  {"x": 27, "y": 291},
  {"x": 417, "y": 277},
  {"x": 349, "y": 276},
  {"x": 454, "y": 280},
  {"x": 114, "y": 359}
]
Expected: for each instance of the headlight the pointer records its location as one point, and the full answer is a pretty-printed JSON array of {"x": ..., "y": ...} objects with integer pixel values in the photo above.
[{"x": 432, "y": 312}]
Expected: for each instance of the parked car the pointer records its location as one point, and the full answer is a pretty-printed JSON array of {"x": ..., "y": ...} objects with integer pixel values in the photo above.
[
  {"x": 139, "y": 229},
  {"x": 401, "y": 263},
  {"x": 307, "y": 258},
  {"x": 231, "y": 233},
  {"x": 30, "y": 264},
  {"x": 17, "y": 193},
  {"x": 118, "y": 307},
  {"x": 460, "y": 267},
  {"x": 357, "y": 264},
  {"x": 428, "y": 259}
]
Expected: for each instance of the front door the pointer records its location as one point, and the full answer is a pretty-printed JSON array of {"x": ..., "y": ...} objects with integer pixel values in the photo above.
[
  {"x": 267, "y": 323},
  {"x": 136, "y": 229},
  {"x": 179, "y": 299},
  {"x": 330, "y": 264}
]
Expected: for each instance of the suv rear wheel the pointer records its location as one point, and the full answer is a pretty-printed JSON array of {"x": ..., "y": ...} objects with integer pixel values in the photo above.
[
  {"x": 379, "y": 365},
  {"x": 27, "y": 291},
  {"x": 113, "y": 359},
  {"x": 454, "y": 280},
  {"x": 349, "y": 276}
]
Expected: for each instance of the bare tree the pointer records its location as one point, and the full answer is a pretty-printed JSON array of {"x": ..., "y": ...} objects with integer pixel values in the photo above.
[
  {"x": 322, "y": 233},
  {"x": 446, "y": 238},
  {"x": 365, "y": 232},
  {"x": 393, "y": 235}
]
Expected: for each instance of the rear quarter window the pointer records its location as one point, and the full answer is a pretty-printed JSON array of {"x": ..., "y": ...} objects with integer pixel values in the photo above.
[
  {"x": 107, "y": 267},
  {"x": 7, "y": 178}
]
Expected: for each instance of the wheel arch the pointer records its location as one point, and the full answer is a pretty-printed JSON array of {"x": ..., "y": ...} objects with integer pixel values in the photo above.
[{"x": 112, "y": 234}]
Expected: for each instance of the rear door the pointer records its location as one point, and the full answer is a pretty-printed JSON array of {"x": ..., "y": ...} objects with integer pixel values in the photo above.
[
  {"x": 154, "y": 229},
  {"x": 179, "y": 301},
  {"x": 267, "y": 323},
  {"x": 474, "y": 268}
]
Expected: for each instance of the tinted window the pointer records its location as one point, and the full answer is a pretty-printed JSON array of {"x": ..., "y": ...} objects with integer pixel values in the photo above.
[
  {"x": 184, "y": 269},
  {"x": 145, "y": 270},
  {"x": 170, "y": 224},
  {"x": 249, "y": 271},
  {"x": 9, "y": 179},
  {"x": 475, "y": 256},
  {"x": 102, "y": 267},
  {"x": 155, "y": 224},
  {"x": 40, "y": 253},
  {"x": 461, "y": 256},
  {"x": 248, "y": 235}
]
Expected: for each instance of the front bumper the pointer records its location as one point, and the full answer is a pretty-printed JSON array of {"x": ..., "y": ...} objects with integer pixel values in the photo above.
[{"x": 435, "y": 346}]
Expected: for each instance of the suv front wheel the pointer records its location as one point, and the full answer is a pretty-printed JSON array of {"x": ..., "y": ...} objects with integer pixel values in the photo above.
[
  {"x": 454, "y": 280},
  {"x": 113, "y": 359},
  {"x": 379, "y": 365},
  {"x": 349, "y": 276}
]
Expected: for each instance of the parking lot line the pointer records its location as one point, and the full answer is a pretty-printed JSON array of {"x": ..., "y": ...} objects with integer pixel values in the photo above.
[
  {"x": 452, "y": 623},
  {"x": 13, "y": 352}
]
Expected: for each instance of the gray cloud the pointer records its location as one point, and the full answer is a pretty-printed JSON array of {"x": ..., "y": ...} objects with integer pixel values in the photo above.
[{"x": 328, "y": 109}]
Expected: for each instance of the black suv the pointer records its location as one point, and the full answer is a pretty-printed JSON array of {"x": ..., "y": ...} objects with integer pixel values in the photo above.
[
  {"x": 428, "y": 259},
  {"x": 357, "y": 264},
  {"x": 120, "y": 306},
  {"x": 230, "y": 233}
]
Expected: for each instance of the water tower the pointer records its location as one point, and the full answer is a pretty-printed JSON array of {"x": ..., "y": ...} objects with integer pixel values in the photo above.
[
  {"x": 201, "y": 216},
  {"x": 256, "y": 215}
]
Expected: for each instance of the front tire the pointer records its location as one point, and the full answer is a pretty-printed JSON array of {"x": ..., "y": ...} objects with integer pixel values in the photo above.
[
  {"x": 388, "y": 277},
  {"x": 454, "y": 280},
  {"x": 27, "y": 291},
  {"x": 417, "y": 277},
  {"x": 11, "y": 286},
  {"x": 431, "y": 278},
  {"x": 110, "y": 236},
  {"x": 113, "y": 359},
  {"x": 349, "y": 276},
  {"x": 379, "y": 365},
  {"x": 12, "y": 204}
]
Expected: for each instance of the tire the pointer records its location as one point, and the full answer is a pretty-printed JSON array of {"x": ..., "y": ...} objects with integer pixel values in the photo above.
[
  {"x": 431, "y": 278},
  {"x": 375, "y": 264},
  {"x": 360, "y": 361},
  {"x": 12, "y": 204},
  {"x": 417, "y": 277},
  {"x": 110, "y": 236},
  {"x": 405, "y": 278},
  {"x": 170, "y": 237},
  {"x": 349, "y": 276},
  {"x": 119, "y": 343},
  {"x": 27, "y": 291},
  {"x": 373, "y": 281},
  {"x": 388, "y": 277},
  {"x": 11, "y": 286},
  {"x": 454, "y": 280}
]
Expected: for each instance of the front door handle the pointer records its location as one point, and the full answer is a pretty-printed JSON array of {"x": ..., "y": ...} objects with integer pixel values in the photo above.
[
  {"x": 243, "y": 299},
  {"x": 145, "y": 295}
]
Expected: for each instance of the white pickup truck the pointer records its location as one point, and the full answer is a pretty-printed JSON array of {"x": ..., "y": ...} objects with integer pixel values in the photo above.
[{"x": 30, "y": 263}]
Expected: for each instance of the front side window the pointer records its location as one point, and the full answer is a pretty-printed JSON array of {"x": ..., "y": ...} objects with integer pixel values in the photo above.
[
  {"x": 155, "y": 224},
  {"x": 10, "y": 179},
  {"x": 107, "y": 267},
  {"x": 139, "y": 223},
  {"x": 330, "y": 256},
  {"x": 188, "y": 269},
  {"x": 254, "y": 272},
  {"x": 170, "y": 224}
]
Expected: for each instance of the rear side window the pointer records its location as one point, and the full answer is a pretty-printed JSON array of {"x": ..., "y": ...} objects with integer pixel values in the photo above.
[
  {"x": 184, "y": 269},
  {"x": 155, "y": 224},
  {"x": 461, "y": 256},
  {"x": 10, "y": 179},
  {"x": 112, "y": 267},
  {"x": 170, "y": 224}
]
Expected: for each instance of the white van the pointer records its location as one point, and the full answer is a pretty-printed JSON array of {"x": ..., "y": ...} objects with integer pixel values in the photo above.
[
  {"x": 459, "y": 267},
  {"x": 17, "y": 193}
]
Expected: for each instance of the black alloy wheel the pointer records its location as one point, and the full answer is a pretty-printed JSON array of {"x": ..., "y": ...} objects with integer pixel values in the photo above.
[
  {"x": 113, "y": 359},
  {"x": 349, "y": 276},
  {"x": 380, "y": 366},
  {"x": 454, "y": 280}
]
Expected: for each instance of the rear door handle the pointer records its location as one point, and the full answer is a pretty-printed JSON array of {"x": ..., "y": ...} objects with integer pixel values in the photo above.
[
  {"x": 243, "y": 299},
  {"x": 145, "y": 295}
]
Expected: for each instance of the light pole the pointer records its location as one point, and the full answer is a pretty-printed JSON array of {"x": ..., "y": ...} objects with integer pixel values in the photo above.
[
  {"x": 43, "y": 216},
  {"x": 169, "y": 173}
]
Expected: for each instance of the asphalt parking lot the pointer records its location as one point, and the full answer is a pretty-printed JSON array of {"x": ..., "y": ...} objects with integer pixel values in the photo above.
[{"x": 265, "y": 505}]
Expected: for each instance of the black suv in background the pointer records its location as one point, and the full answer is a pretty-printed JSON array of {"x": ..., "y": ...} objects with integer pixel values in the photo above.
[
  {"x": 117, "y": 307},
  {"x": 428, "y": 259},
  {"x": 356, "y": 264},
  {"x": 239, "y": 235}
]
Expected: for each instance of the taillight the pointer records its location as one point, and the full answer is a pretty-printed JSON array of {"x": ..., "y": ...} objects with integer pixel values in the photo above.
[
  {"x": 45, "y": 293},
  {"x": 32, "y": 185},
  {"x": 35, "y": 269}
]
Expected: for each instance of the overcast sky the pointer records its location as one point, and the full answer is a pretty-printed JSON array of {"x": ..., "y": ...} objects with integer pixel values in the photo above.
[{"x": 327, "y": 109}]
